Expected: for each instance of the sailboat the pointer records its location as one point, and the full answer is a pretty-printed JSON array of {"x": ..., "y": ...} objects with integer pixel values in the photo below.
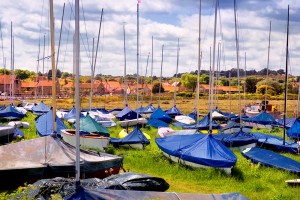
[
  {"x": 49, "y": 156},
  {"x": 199, "y": 150}
]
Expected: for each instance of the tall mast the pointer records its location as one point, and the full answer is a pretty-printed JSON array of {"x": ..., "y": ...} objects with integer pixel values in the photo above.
[
  {"x": 176, "y": 75},
  {"x": 12, "y": 64},
  {"x": 151, "y": 70},
  {"x": 213, "y": 67},
  {"x": 237, "y": 58},
  {"x": 125, "y": 80},
  {"x": 160, "y": 80},
  {"x": 245, "y": 83},
  {"x": 199, "y": 67},
  {"x": 268, "y": 66},
  {"x": 92, "y": 75},
  {"x": 286, "y": 73},
  {"x": 53, "y": 66},
  {"x": 77, "y": 96},
  {"x": 137, "y": 57}
]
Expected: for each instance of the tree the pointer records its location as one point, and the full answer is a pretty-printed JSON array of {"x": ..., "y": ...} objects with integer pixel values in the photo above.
[
  {"x": 274, "y": 84},
  {"x": 6, "y": 71},
  {"x": 262, "y": 90},
  {"x": 155, "y": 88},
  {"x": 58, "y": 74},
  {"x": 23, "y": 74},
  {"x": 204, "y": 79},
  {"x": 189, "y": 81},
  {"x": 251, "y": 82}
]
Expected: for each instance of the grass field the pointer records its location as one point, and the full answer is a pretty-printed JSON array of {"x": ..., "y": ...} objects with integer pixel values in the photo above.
[{"x": 253, "y": 181}]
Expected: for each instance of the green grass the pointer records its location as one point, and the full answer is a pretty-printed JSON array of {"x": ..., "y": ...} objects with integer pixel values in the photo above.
[{"x": 253, "y": 181}]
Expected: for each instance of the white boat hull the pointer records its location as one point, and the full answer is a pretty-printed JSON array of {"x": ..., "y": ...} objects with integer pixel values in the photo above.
[
  {"x": 191, "y": 164},
  {"x": 132, "y": 122},
  {"x": 90, "y": 141}
]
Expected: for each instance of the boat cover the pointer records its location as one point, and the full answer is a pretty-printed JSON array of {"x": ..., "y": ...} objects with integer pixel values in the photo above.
[
  {"x": 44, "y": 124},
  {"x": 71, "y": 114},
  {"x": 198, "y": 148},
  {"x": 134, "y": 137},
  {"x": 127, "y": 114},
  {"x": 161, "y": 115},
  {"x": 275, "y": 143},
  {"x": 232, "y": 124},
  {"x": 203, "y": 124},
  {"x": 271, "y": 159},
  {"x": 174, "y": 111},
  {"x": 85, "y": 193},
  {"x": 10, "y": 112},
  {"x": 235, "y": 140},
  {"x": 146, "y": 110},
  {"x": 44, "y": 188},
  {"x": 49, "y": 157},
  {"x": 294, "y": 130},
  {"x": 40, "y": 109},
  {"x": 157, "y": 123},
  {"x": 262, "y": 118},
  {"x": 90, "y": 125},
  {"x": 194, "y": 114},
  {"x": 288, "y": 122}
]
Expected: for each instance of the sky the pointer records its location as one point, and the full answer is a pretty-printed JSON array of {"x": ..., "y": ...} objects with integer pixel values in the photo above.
[{"x": 171, "y": 23}]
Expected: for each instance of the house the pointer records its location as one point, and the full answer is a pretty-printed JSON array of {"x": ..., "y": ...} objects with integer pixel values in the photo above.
[
  {"x": 7, "y": 82},
  {"x": 28, "y": 88}
]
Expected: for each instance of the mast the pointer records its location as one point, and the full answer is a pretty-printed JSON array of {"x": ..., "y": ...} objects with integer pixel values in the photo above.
[
  {"x": 286, "y": 73},
  {"x": 53, "y": 67},
  {"x": 199, "y": 67},
  {"x": 77, "y": 96},
  {"x": 237, "y": 59},
  {"x": 267, "y": 67},
  {"x": 213, "y": 68},
  {"x": 125, "y": 80},
  {"x": 92, "y": 75},
  {"x": 151, "y": 70},
  {"x": 137, "y": 57},
  {"x": 178, "y": 49},
  {"x": 144, "y": 83},
  {"x": 245, "y": 84},
  {"x": 12, "y": 64},
  {"x": 162, "y": 60}
]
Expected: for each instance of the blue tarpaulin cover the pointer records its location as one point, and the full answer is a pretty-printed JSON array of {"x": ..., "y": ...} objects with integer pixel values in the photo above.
[
  {"x": 11, "y": 112},
  {"x": 146, "y": 110},
  {"x": 198, "y": 148},
  {"x": 174, "y": 111},
  {"x": 157, "y": 123},
  {"x": 194, "y": 114},
  {"x": 262, "y": 118},
  {"x": 90, "y": 125},
  {"x": 40, "y": 109},
  {"x": 105, "y": 194},
  {"x": 161, "y": 115},
  {"x": 127, "y": 114},
  {"x": 294, "y": 130},
  {"x": 134, "y": 137},
  {"x": 235, "y": 140},
  {"x": 275, "y": 143},
  {"x": 44, "y": 124},
  {"x": 288, "y": 122},
  {"x": 271, "y": 159},
  {"x": 71, "y": 114},
  {"x": 203, "y": 124}
]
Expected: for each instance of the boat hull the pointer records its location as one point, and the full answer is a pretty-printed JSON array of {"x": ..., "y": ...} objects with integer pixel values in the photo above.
[
  {"x": 49, "y": 157},
  {"x": 132, "y": 122},
  {"x": 90, "y": 141}
]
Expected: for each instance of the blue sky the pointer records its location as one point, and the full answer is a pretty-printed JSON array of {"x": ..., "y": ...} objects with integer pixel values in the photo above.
[{"x": 166, "y": 21}]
